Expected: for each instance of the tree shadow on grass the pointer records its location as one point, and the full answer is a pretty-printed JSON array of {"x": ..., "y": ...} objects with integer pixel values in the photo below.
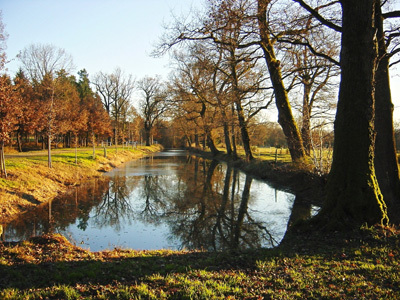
[
  {"x": 316, "y": 260},
  {"x": 51, "y": 260}
]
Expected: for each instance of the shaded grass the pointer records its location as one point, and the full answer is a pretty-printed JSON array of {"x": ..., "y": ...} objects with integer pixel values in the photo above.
[{"x": 362, "y": 264}]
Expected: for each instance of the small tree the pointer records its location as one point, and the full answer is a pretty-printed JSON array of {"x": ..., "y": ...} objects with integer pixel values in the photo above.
[{"x": 9, "y": 111}]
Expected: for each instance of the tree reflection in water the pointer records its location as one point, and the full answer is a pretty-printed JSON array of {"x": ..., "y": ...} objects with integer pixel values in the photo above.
[
  {"x": 57, "y": 215},
  {"x": 202, "y": 204},
  {"x": 210, "y": 212}
]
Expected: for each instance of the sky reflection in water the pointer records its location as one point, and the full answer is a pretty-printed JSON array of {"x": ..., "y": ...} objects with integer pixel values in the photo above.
[{"x": 169, "y": 200}]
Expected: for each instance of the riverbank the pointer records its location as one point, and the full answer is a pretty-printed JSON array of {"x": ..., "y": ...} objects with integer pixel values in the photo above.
[{"x": 30, "y": 182}]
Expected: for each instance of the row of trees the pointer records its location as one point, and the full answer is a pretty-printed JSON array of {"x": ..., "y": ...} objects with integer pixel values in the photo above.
[
  {"x": 235, "y": 63},
  {"x": 44, "y": 101},
  {"x": 220, "y": 76}
]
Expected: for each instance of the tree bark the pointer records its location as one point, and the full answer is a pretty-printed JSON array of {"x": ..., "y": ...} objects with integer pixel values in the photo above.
[
  {"x": 306, "y": 119},
  {"x": 19, "y": 142},
  {"x": 244, "y": 132},
  {"x": 285, "y": 115},
  {"x": 387, "y": 171},
  {"x": 228, "y": 145},
  {"x": 211, "y": 144},
  {"x": 353, "y": 194}
]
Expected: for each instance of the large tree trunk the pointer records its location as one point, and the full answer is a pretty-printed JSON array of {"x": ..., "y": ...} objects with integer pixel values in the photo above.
[
  {"x": 353, "y": 193},
  {"x": 147, "y": 134},
  {"x": 285, "y": 116},
  {"x": 386, "y": 167}
]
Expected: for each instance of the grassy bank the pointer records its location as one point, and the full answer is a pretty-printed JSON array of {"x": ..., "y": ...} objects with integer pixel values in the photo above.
[
  {"x": 359, "y": 265},
  {"x": 30, "y": 181}
]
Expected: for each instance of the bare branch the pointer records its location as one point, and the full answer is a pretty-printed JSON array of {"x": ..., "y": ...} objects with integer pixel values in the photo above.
[
  {"x": 320, "y": 18},
  {"x": 391, "y": 14}
]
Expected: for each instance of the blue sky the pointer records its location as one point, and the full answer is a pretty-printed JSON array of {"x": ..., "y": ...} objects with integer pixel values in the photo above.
[
  {"x": 104, "y": 34},
  {"x": 99, "y": 34}
]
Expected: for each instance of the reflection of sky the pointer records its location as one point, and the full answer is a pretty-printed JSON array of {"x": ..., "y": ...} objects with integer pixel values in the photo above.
[
  {"x": 137, "y": 235},
  {"x": 269, "y": 206},
  {"x": 137, "y": 230}
]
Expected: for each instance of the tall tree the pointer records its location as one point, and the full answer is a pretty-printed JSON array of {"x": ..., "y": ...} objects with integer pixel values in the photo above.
[
  {"x": 152, "y": 104},
  {"x": 353, "y": 193},
  {"x": 39, "y": 60},
  {"x": 9, "y": 111},
  {"x": 115, "y": 90},
  {"x": 285, "y": 115},
  {"x": 386, "y": 164},
  {"x": 98, "y": 120}
]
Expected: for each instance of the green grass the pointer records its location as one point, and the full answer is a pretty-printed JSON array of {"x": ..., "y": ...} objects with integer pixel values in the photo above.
[{"x": 363, "y": 264}]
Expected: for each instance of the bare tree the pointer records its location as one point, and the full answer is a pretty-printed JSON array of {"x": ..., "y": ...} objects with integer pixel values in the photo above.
[
  {"x": 39, "y": 60},
  {"x": 152, "y": 104},
  {"x": 115, "y": 90}
]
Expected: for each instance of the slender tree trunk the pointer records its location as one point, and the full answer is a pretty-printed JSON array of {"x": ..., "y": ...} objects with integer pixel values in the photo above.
[
  {"x": 353, "y": 193},
  {"x": 19, "y": 143},
  {"x": 196, "y": 139},
  {"x": 228, "y": 145},
  {"x": 76, "y": 149},
  {"x": 306, "y": 119},
  {"x": 239, "y": 109},
  {"x": 386, "y": 166},
  {"x": 285, "y": 115},
  {"x": 49, "y": 150},
  {"x": 211, "y": 144},
  {"x": 94, "y": 145},
  {"x": 234, "y": 148},
  {"x": 2, "y": 160}
]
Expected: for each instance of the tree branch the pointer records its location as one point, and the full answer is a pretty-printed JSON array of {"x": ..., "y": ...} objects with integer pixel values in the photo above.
[
  {"x": 391, "y": 14},
  {"x": 316, "y": 15}
]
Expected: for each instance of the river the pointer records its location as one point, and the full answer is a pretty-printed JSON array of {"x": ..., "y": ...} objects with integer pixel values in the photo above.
[{"x": 168, "y": 200}]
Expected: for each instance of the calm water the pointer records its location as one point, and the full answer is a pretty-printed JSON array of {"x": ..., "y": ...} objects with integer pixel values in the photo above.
[{"x": 169, "y": 200}]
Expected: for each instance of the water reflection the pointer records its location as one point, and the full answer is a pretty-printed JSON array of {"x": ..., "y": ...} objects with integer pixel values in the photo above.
[{"x": 170, "y": 200}]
